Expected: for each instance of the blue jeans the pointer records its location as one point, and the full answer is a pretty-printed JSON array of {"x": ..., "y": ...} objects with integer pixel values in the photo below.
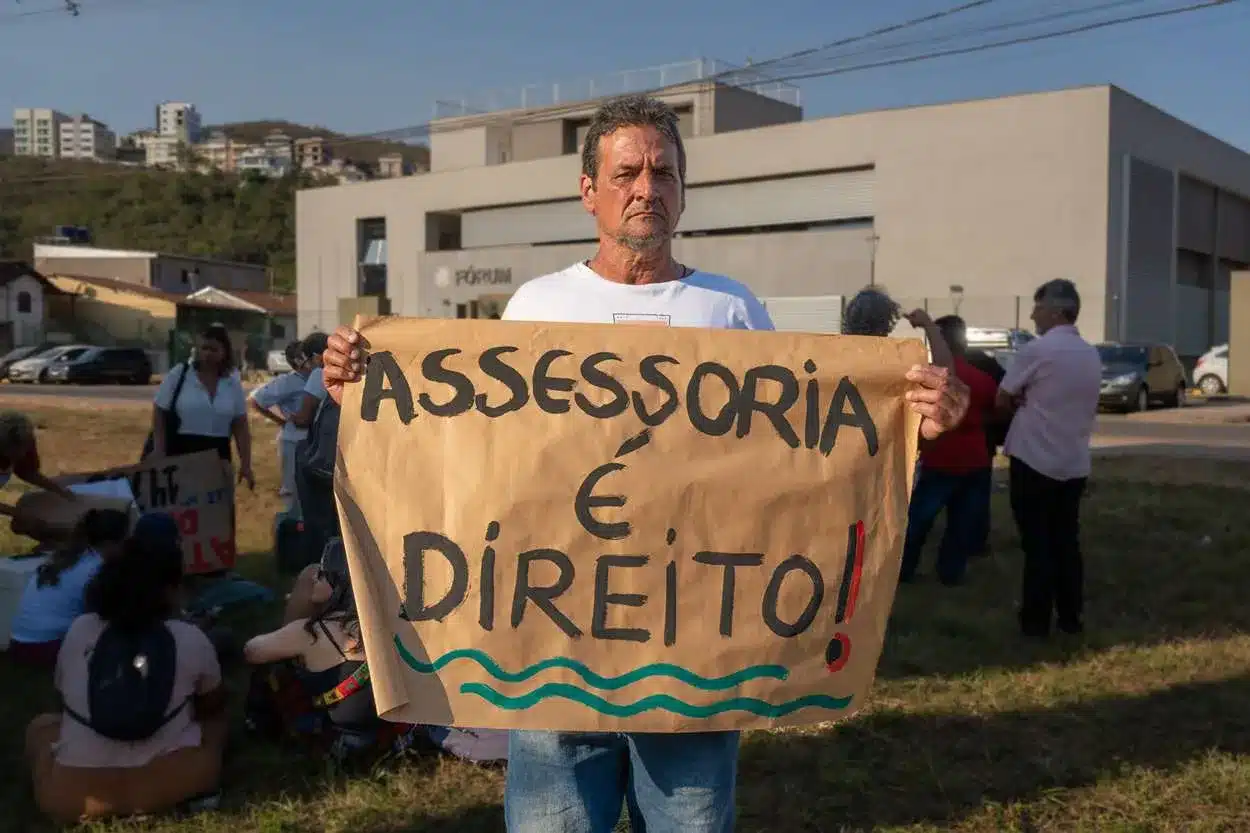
[
  {"x": 966, "y": 499},
  {"x": 577, "y": 782}
]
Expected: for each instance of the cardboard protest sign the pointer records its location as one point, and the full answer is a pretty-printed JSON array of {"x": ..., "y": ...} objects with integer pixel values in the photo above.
[
  {"x": 613, "y": 528},
  {"x": 197, "y": 490}
]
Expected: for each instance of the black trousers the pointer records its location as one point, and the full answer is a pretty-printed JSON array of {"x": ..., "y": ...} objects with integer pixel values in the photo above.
[
  {"x": 321, "y": 517},
  {"x": 1047, "y": 513},
  {"x": 180, "y": 444}
]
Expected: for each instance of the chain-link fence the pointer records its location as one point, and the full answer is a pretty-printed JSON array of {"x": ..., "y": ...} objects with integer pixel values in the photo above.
[
  {"x": 978, "y": 311},
  {"x": 984, "y": 311}
]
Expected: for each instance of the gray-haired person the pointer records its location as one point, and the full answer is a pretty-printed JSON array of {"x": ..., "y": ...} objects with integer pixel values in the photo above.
[
  {"x": 872, "y": 312},
  {"x": 633, "y": 183},
  {"x": 1052, "y": 386}
]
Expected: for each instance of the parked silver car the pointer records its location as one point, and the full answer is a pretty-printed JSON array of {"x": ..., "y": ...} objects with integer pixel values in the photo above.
[{"x": 35, "y": 368}]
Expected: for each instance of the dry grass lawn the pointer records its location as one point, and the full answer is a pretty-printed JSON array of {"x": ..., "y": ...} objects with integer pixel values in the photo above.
[{"x": 1141, "y": 726}]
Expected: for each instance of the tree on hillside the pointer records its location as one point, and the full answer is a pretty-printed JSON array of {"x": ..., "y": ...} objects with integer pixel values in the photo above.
[{"x": 213, "y": 214}]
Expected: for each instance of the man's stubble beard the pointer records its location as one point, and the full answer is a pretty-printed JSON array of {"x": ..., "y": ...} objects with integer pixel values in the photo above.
[{"x": 643, "y": 243}]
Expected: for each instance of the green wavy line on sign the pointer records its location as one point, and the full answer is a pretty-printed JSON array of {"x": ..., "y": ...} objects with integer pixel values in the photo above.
[
  {"x": 661, "y": 669},
  {"x": 661, "y": 702}
]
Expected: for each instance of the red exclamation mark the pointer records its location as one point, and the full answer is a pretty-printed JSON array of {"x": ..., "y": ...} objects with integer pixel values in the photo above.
[{"x": 838, "y": 651}]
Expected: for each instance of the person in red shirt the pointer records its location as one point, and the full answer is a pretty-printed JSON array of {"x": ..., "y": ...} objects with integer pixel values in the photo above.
[
  {"x": 19, "y": 457},
  {"x": 955, "y": 473}
]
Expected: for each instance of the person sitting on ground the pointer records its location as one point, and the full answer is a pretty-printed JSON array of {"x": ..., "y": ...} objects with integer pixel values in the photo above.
[
  {"x": 278, "y": 401},
  {"x": 19, "y": 457},
  {"x": 55, "y": 595},
  {"x": 313, "y": 680},
  {"x": 143, "y": 725}
]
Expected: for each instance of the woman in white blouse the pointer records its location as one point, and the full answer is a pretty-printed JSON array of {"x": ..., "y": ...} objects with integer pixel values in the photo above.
[{"x": 200, "y": 405}]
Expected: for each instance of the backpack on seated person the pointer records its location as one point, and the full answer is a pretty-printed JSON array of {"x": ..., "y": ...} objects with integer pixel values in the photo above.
[{"x": 130, "y": 684}]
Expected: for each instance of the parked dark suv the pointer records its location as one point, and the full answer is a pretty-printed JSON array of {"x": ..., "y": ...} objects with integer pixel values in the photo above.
[
  {"x": 98, "y": 365},
  {"x": 1135, "y": 376}
]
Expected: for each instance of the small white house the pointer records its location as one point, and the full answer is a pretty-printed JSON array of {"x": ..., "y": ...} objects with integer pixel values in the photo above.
[{"x": 22, "y": 294}]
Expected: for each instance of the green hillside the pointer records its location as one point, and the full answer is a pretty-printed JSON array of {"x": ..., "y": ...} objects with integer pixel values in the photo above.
[{"x": 247, "y": 219}]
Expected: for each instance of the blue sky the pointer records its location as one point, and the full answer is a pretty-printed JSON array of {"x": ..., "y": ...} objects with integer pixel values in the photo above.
[{"x": 360, "y": 66}]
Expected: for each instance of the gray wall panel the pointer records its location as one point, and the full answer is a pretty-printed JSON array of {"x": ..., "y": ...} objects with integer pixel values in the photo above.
[
  {"x": 1195, "y": 228},
  {"x": 801, "y": 199},
  {"x": 1151, "y": 252}
]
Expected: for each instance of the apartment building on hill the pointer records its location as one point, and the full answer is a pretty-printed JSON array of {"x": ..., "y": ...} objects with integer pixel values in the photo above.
[
  {"x": 82, "y": 137},
  {"x": 36, "y": 131}
]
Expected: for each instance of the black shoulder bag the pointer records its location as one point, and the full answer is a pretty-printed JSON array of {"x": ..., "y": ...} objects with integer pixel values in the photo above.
[
  {"x": 172, "y": 421},
  {"x": 318, "y": 452}
]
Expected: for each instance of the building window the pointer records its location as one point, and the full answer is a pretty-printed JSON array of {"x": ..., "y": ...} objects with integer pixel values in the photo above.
[
  {"x": 371, "y": 256},
  {"x": 24, "y": 302}
]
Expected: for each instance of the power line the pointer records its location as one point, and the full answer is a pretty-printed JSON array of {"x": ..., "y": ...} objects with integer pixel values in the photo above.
[
  {"x": 737, "y": 76},
  {"x": 69, "y": 8},
  {"x": 930, "y": 40},
  {"x": 873, "y": 33},
  {"x": 1017, "y": 41},
  {"x": 73, "y": 8},
  {"x": 818, "y": 73},
  {"x": 422, "y": 130}
]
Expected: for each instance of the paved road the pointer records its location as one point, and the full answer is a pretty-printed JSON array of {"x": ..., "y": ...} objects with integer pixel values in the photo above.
[
  {"x": 1113, "y": 427},
  {"x": 1208, "y": 433},
  {"x": 110, "y": 393}
]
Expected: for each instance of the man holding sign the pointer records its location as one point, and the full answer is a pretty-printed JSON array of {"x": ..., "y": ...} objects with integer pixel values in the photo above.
[{"x": 633, "y": 183}]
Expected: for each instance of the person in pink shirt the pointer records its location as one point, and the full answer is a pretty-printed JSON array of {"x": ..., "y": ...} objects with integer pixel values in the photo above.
[{"x": 1052, "y": 386}]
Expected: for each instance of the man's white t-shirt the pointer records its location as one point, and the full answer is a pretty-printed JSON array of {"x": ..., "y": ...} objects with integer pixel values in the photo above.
[{"x": 577, "y": 295}]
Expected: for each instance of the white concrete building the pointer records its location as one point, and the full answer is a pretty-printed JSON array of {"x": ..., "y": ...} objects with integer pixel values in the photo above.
[
  {"x": 261, "y": 159},
  {"x": 163, "y": 150},
  {"x": 178, "y": 119},
  {"x": 965, "y": 206},
  {"x": 22, "y": 291},
  {"x": 36, "y": 131},
  {"x": 82, "y": 137}
]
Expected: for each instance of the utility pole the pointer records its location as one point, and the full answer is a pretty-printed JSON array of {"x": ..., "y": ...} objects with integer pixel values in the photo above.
[{"x": 873, "y": 239}]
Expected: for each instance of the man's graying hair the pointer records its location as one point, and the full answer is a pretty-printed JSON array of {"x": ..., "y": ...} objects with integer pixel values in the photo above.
[
  {"x": 1060, "y": 295},
  {"x": 631, "y": 111},
  {"x": 872, "y": 312}
]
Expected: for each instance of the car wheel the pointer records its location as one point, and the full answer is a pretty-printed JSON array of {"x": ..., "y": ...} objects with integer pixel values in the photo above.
[
  {"x": 1210, "y": 385},
  {"x": 42, "y": 378},
  {"x": 1143, "y": 400},
  {"x": 1181, "y": 395}
]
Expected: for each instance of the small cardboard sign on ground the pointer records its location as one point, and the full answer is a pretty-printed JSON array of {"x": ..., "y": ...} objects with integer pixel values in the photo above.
[
  {"x": 197, "y": 490},
  {"x": 596, "y": 528}
]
